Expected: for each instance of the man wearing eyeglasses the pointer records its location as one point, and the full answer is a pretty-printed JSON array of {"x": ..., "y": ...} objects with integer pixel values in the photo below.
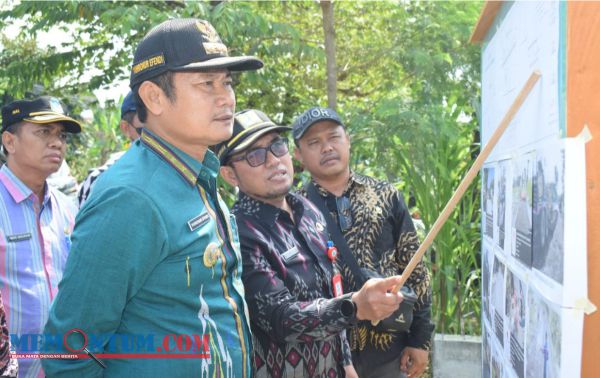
[
  {"x": 380, "y": 235},
  {"x": 298, "y": 312},
  {"x": 36, "y": 219}
]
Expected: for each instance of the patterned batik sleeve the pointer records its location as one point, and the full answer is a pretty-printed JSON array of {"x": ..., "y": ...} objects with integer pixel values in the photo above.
[
  {"x": 275, "y": 310},
  {"x": 346, "y": 351},
  {"x": 421, "y": 329}
]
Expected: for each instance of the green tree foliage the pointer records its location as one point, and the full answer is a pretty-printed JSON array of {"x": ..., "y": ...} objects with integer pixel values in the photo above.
[
  {"x": 407, "y": 82},
  {"x": 418, "y": 128}
]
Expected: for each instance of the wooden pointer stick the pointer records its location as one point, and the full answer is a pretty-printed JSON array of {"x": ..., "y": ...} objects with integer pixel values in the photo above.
[{"x": 467, "y": 180}]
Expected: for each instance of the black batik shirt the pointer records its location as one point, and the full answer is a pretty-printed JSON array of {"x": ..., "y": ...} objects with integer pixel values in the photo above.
[
  {"x": 382, "y": 238},
  {"x": 298, "y": 327}
]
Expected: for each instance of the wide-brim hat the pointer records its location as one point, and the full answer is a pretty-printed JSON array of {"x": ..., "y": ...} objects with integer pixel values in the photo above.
[
  {"x": 248, "y": 126},
  {"x": 184, "y": 45},
  {"x": 42, "y": 110}
]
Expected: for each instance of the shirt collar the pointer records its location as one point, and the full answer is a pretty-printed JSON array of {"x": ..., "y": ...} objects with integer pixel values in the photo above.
[
  {"x": 354, "y": 179},
  {"x": 247, "y": 205},
  {"x": 17, "y": 188},
  {"x": 358, "y": 179},
  {"x": 192, "y": 170}
]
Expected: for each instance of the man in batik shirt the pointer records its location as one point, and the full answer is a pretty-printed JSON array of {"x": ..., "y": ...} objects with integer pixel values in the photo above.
[
  {"x": 298, "y": 323},
  {"x": 380, "y": 234}
]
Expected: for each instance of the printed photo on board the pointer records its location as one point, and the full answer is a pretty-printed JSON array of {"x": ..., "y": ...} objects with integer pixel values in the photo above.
[
  {"x": 498, "y": 294},
  {"x": 543, "y": 338},
  {"x": 500, "y": 229},
  {"x": 487, "y": 258},
  {"x": 522, "y": 202},
  {"x": 548, "y": 214},
  {"x": 486, "y": 355},
  {"x": 488, "y": 202},
  {"x": 515, "y": 318}
]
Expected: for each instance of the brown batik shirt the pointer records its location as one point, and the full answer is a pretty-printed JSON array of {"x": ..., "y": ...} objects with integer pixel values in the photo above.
[
  {"x": 382, "y": 238},
  {"x": 298, "y": 327}
]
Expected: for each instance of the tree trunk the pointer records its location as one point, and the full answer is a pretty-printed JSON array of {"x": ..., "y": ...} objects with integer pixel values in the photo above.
[{"x": 327, "y": 9}]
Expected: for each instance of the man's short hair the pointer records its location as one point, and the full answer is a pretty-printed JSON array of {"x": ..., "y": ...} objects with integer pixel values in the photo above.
[{"x": 15, "y": 128}]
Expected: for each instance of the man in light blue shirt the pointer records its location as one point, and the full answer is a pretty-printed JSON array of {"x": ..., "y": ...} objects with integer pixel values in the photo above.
[{"x": 36, "y": 219}]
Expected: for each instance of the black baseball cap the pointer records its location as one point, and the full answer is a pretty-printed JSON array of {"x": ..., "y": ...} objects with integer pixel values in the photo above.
[
  {"x": 42, "y": 110},
  {"x": 184, "y": 45},
  {"x": 312, "y": 116},
  {"x": 248, "y": 126}
]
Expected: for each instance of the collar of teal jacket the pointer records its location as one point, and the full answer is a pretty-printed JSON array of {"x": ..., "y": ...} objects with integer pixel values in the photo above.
[{"x": 193, "y": 171}]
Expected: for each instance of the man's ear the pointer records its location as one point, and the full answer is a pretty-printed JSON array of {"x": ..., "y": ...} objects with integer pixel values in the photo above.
[
  {"x": 229, "y": 175},
  {"x": 8, "y": 142},
  {"x": 153, "y": 97},
  {"x": 127, "y": 130}
]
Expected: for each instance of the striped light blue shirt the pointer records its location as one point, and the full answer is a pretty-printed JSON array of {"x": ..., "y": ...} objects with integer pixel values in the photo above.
[{"x": 34, "y": 244}]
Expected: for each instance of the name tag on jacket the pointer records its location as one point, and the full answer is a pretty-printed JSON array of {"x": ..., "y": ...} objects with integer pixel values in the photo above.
[
  {"x": 289, "y": 254},
  {"x": 19, "y": 237},
  {"x": 198, "y": 221}
]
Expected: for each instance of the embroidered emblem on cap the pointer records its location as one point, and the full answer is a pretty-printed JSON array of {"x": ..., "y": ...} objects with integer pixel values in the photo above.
[
  {"x": 249, "y": 120},
  {"x": 315, "y": 113},
  {"x": 212, "y": 43},
  {"x": 55, "y": 105},
  {"x": 154, "y": 61},
  {"x": 211, "y": 255}
]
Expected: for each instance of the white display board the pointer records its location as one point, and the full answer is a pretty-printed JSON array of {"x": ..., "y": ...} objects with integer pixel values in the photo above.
[
  {"x": 526, "y": 39},
  {"x": 533, "y": 204}
]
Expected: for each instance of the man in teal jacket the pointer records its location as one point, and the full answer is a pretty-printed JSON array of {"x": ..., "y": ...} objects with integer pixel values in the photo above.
[{"x": 155, "y": 266}]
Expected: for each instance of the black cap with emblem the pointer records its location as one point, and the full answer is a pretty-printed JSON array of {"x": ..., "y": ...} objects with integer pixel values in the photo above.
[
  {"x": 184, "y": 45},
  {"x": 42, "y": 110},
  {"x": 248, "y": 126}
]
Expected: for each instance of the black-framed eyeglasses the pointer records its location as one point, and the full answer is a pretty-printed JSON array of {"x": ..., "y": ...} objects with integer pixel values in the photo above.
[
  {"x": 344, "y": 213},
  {"x": 258, "y": 156}
]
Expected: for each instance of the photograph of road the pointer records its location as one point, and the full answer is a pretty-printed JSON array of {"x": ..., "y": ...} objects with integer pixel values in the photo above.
[
  {"x": 488, "y": 201},
  {"x": 548, "y": 214},
  {"x": 522, "y": 207},
  {"x": 501, "y": 174}
]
